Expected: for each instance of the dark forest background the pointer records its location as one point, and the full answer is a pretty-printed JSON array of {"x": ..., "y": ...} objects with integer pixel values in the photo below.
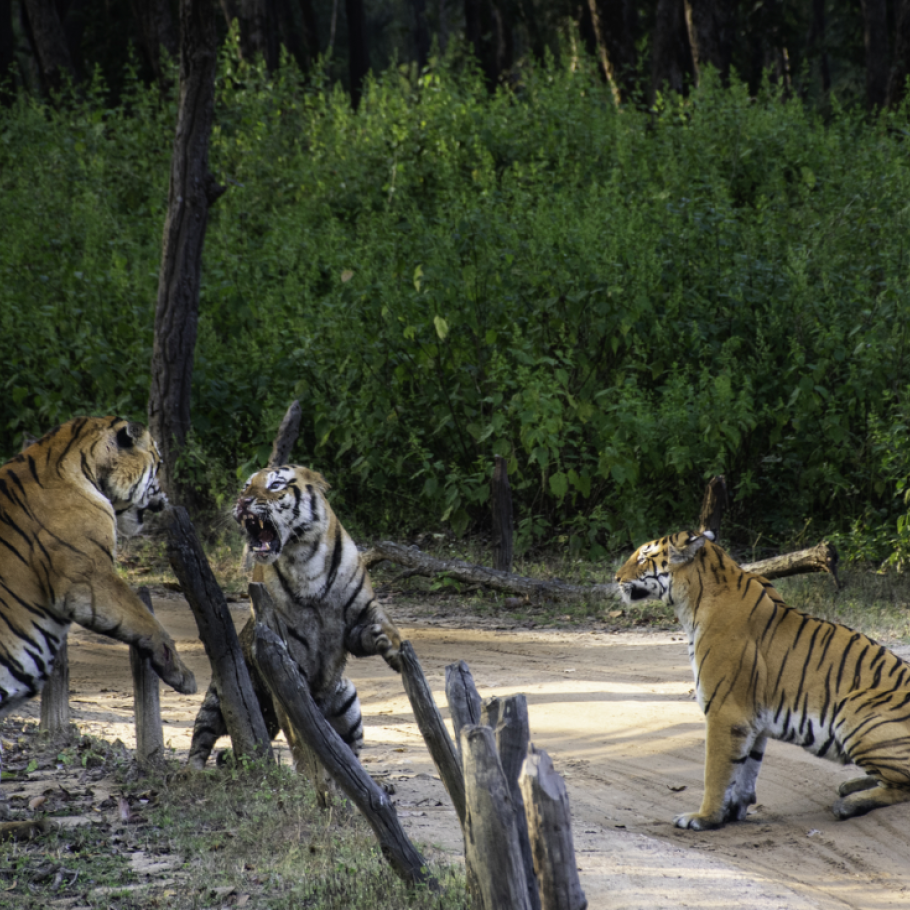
[{"x": 626, "y": 246}]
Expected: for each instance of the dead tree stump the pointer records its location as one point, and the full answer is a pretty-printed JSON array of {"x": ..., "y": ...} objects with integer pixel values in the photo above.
[
  {"x": 492, "y": 850},
  {"x": 550, "y": 827},
  {"x": 55, "y": 696},
  {"x": 501, "y": 501},
  {"x": 242, "y": 714},
  {"x": 146, "y": 701},
  {"x": 714, "y": 504},
  {"x": 464, "y": 702}
]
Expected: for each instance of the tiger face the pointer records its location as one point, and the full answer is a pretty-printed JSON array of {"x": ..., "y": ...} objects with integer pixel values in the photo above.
[
  {"x": 281, "y": 505},
  {"x": 648, "y": 573}
]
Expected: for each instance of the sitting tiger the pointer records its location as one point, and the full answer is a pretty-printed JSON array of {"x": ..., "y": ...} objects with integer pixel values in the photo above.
[
  {"x": 316, "y": 578},
  {"x": 61, "y": 501},
  {"x": 764, "y": 669}
]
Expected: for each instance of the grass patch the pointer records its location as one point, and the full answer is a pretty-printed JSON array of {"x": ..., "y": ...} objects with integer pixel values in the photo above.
[{"x": 250, "y": 835}]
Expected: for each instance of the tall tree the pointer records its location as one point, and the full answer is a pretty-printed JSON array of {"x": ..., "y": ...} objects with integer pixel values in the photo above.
[
  {"x": 875, "y": 27},
  {"x": 900, "y": 68},
  {"x": 157, "y": 28},
  {"x": 421, "y": 30},
  {"x": 50, "y": 43},
  {"x": 710, "y": 24},
  {"x": 488, "y": 31},
  {"x": 7, "y": 53},
  {"x": 358, "y": 52},
  {"x": 671, "y": 62},
  {"x": 815, "y": 43},
  {"x": 614, "y": 30},
  {"x": 257, "y": 32},
  {"x": 191, "y": 192}
]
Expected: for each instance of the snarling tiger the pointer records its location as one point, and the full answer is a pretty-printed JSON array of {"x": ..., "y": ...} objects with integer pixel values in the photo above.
[
  {"x": 316, "y": 578},
  {"x": 61, "y": 502},
  {"x": 764, "y": 669}
]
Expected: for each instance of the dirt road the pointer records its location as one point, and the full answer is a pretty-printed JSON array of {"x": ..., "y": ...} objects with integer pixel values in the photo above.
[{"x": 616, "y": 713}]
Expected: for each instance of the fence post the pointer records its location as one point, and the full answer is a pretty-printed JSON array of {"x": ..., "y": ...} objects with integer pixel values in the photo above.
[
  {"x": 55, "y": 696},
  {"x": 501, "y": 502},
  {"x": 146, "y": 701}
]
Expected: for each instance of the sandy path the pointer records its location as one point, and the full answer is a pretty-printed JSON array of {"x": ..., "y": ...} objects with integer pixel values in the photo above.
[{"x": 615, "y": 712}]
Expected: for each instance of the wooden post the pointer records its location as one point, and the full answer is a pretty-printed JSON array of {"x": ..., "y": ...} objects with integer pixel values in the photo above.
[
  {"x": 55, "y": 696},
  {"x": 513, "y": 735},
  {"x": 290, "y": 690},
  {"x": 501, "y": 501},
  {"x": 242, "y": 714},
  {"x": 432, "y": 728},
  {"x": 491, "y": 836},
  {"x": 716, "y": 501},
  {"x": 464, "y": 702},
  {"x": 550, "y": 827},
  {"x": 286, "y": 436},
  {"x": 146, "y": 701}
]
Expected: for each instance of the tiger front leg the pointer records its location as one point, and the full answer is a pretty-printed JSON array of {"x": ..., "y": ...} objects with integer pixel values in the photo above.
[
  {"x": 733, "y": 755},
  {"x": 109, "y": 606},
  {"x": 376, "y": 635}
]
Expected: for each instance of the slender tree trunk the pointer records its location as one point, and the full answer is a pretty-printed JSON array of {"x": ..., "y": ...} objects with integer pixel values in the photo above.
[
  {"x": 231, "y": 12},
  {"x": 900, "y": 68},
  {"x": 613, "y": 22},
  {"x": 7, "y": 53},
  {"x": 310, "y": 31},
  {"x": 50, "y": 43},
  {"x": 671, "y": 64},
  {"x": 258, "y": 32},
  {"x": 815, "y": 43},
  {"x": 488, "y": 31},
  {"x": 421, "y": 32},
  {"x": 586, "y": 27},
  {"x": 157, "y": 27},
  {"x": 191, "y": 192},
  {"x": 875, "y": 21},
  {"x": 710, "y": 25},
  {"x": 358, "y": 52}
]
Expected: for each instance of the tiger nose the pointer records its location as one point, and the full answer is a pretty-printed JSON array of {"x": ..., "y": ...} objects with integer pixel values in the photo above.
[{"x": 243, "y": 504}]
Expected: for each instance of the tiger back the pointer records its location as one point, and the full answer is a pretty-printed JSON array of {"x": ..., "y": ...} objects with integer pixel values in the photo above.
[
  {"x": 322, "y": 591},
  {"x": 763, "y": 669}
]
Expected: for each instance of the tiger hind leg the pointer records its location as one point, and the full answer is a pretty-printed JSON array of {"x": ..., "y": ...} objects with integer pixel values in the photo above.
[
  {"x": 856, "y": 785},
  {"x": 862, "y": 801},
  {"x": 208, "y": 728}
]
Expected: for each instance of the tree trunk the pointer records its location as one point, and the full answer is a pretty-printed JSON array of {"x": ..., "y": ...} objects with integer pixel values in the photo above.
[
  {"x": 239, "y": 705},
  {"x": 310, "y": 32},
  {"x": 614, "y": 22},
  {"x": 900, "y": 68},
  {"x": 421, "y": 31},
  {"x": 875, "y": 28},
  {"x": 191, "y": 192},
  {"x": 7, "y": 54},
  {"x": 671, "y": 63},
  {"x": 710, "y": 25},
  {"x": 256, "y": 33},
  {"x": 50, "y": 43},
  {"x": 713, "y": 506},
  {"x": 488, "y": 31},
  {"x": 157, "y": 28},
  {"x": 815, "y": 43},
  {"x": 358, "y": 52}
]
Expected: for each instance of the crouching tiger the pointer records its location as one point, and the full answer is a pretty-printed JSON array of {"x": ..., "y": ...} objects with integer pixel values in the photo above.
[
  {"x": 764, "y": 669},
  {"x": 314, "y": 574},
  {"x": 61, "y": 501}
]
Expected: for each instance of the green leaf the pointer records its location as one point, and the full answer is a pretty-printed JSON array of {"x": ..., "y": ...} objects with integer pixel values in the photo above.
[{"x": 442, "y": 327}]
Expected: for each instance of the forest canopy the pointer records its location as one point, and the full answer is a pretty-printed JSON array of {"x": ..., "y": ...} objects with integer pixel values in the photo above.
[{"x": 621, "y": 297}]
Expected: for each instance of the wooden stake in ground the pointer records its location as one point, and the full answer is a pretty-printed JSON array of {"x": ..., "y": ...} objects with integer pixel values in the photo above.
[
  {"x": 291, "y": 691},
  {"x": 146, "y": 701},
  {"x": 492, "y": 849},
  {"x": 432, "y": 728},
  {"x": 55, "y": 696},
  {"x": 464, "y": 702},
  {"x": 239, "y": 705},
  {"x": 713, "y": 506},
  {"x": 550, "y": 827},
  {"x": 286, "y": 436},
  {"x": 501, "y": 502}
]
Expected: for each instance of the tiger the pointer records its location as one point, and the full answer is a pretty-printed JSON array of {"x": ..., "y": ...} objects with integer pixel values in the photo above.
[
  {"x": 763, "y": 669},
  {"x": 62, "y": 501},
  {"x": 322, "y": 591}
]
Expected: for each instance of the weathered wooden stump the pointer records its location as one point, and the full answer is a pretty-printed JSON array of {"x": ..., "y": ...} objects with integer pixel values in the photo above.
[
  {"x": 146, "y": 701},
  {"x": 501, "y": 503}
]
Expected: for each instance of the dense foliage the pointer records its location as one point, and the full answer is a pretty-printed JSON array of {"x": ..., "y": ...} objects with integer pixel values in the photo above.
[{"x": 622, "y": 302}]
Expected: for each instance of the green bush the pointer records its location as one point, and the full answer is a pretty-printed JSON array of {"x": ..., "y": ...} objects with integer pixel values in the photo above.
[{"x": 620, "y": 302}]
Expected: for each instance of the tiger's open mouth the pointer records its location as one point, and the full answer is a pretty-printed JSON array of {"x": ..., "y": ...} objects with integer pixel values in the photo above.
[{"x": 262, "y": 536}]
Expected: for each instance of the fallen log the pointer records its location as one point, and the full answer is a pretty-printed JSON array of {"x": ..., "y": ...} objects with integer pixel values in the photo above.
[{"x": 821, "y": 558}]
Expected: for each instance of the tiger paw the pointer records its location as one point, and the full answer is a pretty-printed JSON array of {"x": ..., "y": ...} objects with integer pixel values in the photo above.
[
  {"x": 695, "y": 822},
  {"x": 167, "y": 664},
  {"x": 382, "y": 644}
]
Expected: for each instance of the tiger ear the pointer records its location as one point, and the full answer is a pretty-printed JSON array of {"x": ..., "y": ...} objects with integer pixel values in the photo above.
[
  {"x": 127, "y": 436},
  {"x": 691, "y": 544},
  {"x": 320, "y": 482}
]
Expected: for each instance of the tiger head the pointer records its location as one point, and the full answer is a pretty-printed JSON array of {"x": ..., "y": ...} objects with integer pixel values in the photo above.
[
  {"x": 648, "y": 573},
  {"x": 127, "y": 463},
  {"x": 279, "y": 506}
]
